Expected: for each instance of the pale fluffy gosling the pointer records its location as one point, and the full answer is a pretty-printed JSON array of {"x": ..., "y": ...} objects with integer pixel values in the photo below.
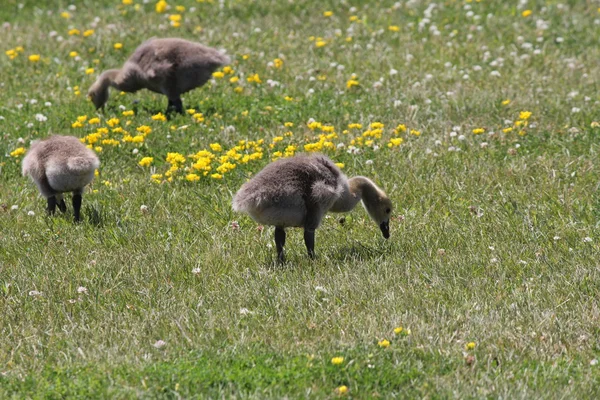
[
  {"x": 298, "y": 191},
  {"x": 167, "y": 66},
  {"x": 60, "y": 164}
]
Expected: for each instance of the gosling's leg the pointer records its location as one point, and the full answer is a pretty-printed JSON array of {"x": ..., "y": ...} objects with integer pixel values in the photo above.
[
  {"x": 77, "y": 206},
  {"x": 313, "y": 219},
  {"x": 280, "y": 242},
  {"x": 60, "y": 202},
  {"x": 51, "y": 205},
  {"x": 175, "y": 105},
  {"x": 309, "y": 241}
]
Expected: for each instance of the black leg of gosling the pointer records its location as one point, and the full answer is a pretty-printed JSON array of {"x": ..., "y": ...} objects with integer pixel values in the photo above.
[
  {"x": 62, "y": 206},
  {"x": 309, "y": 241},
  {"x": 175, "y": 105},
  {"x": 280, "y": 242},
  {"x": 77, "y": 206},
  {"x": 51, "y": 205}
]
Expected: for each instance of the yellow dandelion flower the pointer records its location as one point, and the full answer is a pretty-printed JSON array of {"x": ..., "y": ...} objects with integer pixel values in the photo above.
[
  {"x": 278, "y": 63},
  {"x": 127, "y": 2},
  {"x": 395, "y": 142},
  {"x": 118, "y": 46},
  {"x": 398, "y": 330},
  {"x": 34, "y": 58},
  {"x": 384, "y": 343},
  {"x": 216, "y": 176},
  {"x": 159, "y": 117},
  {"x": 128, "y": 113},
  {"x": 524, "y": 115},
  {"x": 94, "y": 121},
  {"x": 415, "y": 132},
  {"x": 192, "y": 177},
  {"x": 526, "y": 13},
  {"x": 73, "y": 32},
  {"x": 238, "y": 89},
  {"x": 161, "y": 6},
  {"x": 88, "y": 32},
  {"x": 89, "y": 71},
  {"x": 146, "y": 161},
  {"x": 216, "y": 147},
  {"x": 65, "y": 15},
  {"x": 254, "y": 79},
  {"x": 320, "y": 43},
  {"x": 337, "y": 360},
  {"x": 394, "y": 28},
  {"x": 470, "y": 346},
  {"x": 340, "y": 165},
  {"x": 288, "y": 124},
  {"x": 342, "y": 390},
  {"x": 218, "y": 75},
  {"x": 328, "y": 14},
  {"x": 353, "y": 18},
  {"x": 73, "y": 54},
  {"x": 506, "y": 102},
  {"x": 17, "y": 152},
  {"x": 478, "y": 131},
  {"x": 351, "y": 83}
]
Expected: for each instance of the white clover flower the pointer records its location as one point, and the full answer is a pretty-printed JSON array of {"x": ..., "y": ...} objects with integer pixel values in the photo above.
[
  {"x": 14, "y": 207},
  {"x": 587, "y": 239},
  {"x": 393, "y": 72},
  {"x": 82, "y": 289},
  {"x": 196, "y": 271},
  {"x": 41, "y": 117},
  {"x": 35, "y": 293},
  {"x": 159, "y": 344},
  {"x": 31, "y": 213}
]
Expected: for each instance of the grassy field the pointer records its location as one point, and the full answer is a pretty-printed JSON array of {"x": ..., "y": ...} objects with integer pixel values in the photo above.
[{"x": 477, "y": 118}]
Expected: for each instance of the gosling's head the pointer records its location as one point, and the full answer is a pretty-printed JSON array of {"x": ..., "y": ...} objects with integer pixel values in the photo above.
[
  {"x": 380, "y": 209},
  {"x": 98, "y": 95}
]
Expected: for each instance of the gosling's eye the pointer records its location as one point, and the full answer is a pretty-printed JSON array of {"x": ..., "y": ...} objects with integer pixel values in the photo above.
[{"x": 388, "y": 211}]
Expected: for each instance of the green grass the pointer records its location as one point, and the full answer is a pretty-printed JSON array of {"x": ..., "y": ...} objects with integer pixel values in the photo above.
[{"x": 494, "y": 236}]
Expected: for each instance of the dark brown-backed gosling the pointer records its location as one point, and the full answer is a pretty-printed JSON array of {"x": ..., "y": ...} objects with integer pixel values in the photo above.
[
  {"x": 167, "y": 66},
  {"x": 298, "y": 191},
  {"x": 60, "y": 164}
]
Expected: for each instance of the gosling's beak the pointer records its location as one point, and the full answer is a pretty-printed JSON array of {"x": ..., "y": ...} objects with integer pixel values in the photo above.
[{"x": 385, "y": 229}]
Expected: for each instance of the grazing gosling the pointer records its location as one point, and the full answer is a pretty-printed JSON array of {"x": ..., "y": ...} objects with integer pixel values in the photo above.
[
  {"x": 298, "y": 191},
  {"x": 167, "y": 66},
  {"x": 60, "y": 164}
]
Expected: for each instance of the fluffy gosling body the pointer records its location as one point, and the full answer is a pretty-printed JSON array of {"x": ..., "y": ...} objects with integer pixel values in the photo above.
[
  {"x": 168, "y": 66},
  {"x": 298, "y": 191},
  {"x": 60, "y": 164}
]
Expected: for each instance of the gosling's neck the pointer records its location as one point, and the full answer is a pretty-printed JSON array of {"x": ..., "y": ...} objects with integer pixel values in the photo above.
[
  {"x": 358, "y": 188},
  {"x": 108, "y": 78}
]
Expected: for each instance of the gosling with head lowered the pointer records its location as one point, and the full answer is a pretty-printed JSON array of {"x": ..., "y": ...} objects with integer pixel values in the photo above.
[
  {"x": 168, "y": 66},
  {"x": 298, "y": 191},
  {"x": 61, "y": 164}
]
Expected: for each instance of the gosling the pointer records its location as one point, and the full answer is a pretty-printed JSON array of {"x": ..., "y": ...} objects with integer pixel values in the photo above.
[
  {"x": 298, "y": 191},
  {"x": 167, "y": 66},
  {"x": 60, "y": 164}
]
